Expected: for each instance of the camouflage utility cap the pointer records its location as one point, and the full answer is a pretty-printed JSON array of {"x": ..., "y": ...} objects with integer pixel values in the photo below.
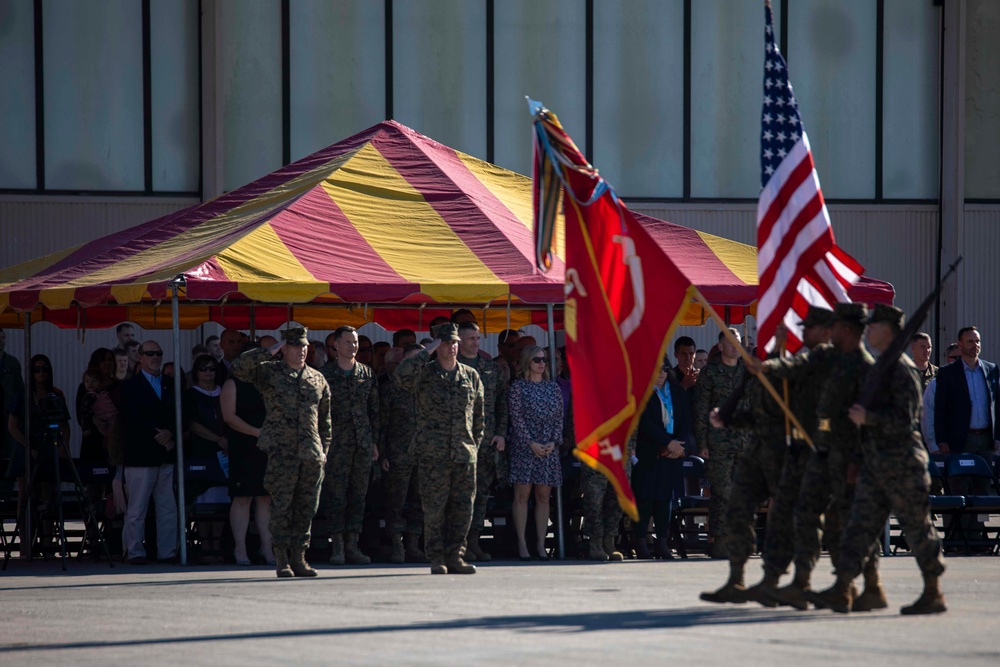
[
  {"x": 817, "y": 317},
  {"x": 888, "y": 314},
  {"x": 295, "y": 336},
  {"x": 851, "y": 312},
  {"x": 446, "y": 332}
]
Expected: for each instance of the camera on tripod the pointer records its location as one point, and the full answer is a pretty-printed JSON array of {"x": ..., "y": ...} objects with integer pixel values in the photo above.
[{"x": 53, "y": 410}]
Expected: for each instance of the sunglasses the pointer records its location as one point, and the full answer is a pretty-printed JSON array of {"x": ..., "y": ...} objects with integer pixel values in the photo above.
[
  {"x": 42, "y": 369},
  {"x": 364, "y": 349},
  {"x": 207, "y": 369},
  {"x": 153, "y": 353},
  {"x": 539, "y": 360}
]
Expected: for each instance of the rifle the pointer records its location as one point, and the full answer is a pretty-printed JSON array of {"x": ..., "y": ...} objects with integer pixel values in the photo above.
[{"x": 902, "y": 339}]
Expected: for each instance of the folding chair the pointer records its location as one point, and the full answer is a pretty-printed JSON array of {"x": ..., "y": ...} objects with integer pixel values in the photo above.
[
  {"x": 688, "y": 506},
  {"x": 205, "y": 472},
  {"x": 970, "y": 466},
  {"x": 948, "y": 507}
]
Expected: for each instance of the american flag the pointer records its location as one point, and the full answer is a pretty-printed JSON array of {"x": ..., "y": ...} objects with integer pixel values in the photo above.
[{"x": 798, "y": 262}]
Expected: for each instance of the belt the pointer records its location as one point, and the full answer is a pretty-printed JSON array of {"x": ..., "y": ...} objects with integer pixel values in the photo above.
[{"x": 979, "y": 431}]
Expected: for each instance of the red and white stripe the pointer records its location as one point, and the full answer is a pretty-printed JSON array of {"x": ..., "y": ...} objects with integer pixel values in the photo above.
[{"x": 798, "y": 262}]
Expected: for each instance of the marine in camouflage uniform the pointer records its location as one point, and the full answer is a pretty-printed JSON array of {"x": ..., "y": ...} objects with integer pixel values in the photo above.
[
  {"x": 402, "y": 486},
  {"x": 806, "y": 374},
  {"x": 296, "y": 436},
  {"x": 491, "y": 461},
  {"x": 354, "y": 410},
  {"x": 893, "y": 478},
  {"x": 601, "y": 510},
  {"x": 757, "y": 474},
  {"x": 450, "y": 425},
  {"x": 715, "y": 383},
  {"x": 828, "y": 486}
]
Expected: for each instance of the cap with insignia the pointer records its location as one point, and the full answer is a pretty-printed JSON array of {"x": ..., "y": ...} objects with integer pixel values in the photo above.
[
  {"x": 851, "y": 312},
  {"x": 817, "y": 317},
  {"x": 888, "y": 314},
  {"x": 446, "y": 332},
  {"x": 295, "y": 336}
]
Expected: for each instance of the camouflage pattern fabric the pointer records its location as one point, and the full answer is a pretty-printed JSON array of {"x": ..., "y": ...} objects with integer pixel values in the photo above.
[
  {"x": 354, "y": 411},
  {"x": 716, "y": 382},
  {"x": 398, "y": 409},
  {"x": 893, "y": 477},
  {"x": 491, "y": 465},
  {"x": 806, "y": 374},
  {"x": 601, "y": 511},
  {"x": 296, "y": 436},
  {"x": 825, "y": 491},
  {"x": 450, "y": 426},
  {"x": 758, "y": 470}
]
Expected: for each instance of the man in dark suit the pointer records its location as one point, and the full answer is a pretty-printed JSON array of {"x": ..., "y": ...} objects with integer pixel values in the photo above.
[
  {"x": 149, "y": 425},
  {"x": 967, "y": 400}
]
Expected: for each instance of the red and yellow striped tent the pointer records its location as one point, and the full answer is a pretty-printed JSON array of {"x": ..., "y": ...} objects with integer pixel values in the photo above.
[{"x": 386, "y": 226}]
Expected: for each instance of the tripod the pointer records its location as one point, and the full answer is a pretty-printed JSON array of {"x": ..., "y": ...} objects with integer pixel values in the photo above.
[{"x": 53, "y": 443}]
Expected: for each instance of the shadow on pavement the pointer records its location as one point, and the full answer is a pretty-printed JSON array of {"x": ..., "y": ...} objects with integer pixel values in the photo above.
[{"x": 591, "y": 622}]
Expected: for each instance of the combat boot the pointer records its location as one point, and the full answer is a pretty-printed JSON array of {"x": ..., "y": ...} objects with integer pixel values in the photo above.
[
  {"x": 352, "y": 553},
  {"x": 414, "y": 553},
  {"x": 398, "y": 554},
  {"x": 281, "y": 562},
  {"x": 873, "y": 596},
  {"x": 763, "y": 592},
  {"x": 931, "y": 601},
  {"x": 456, "y": 565},
  {"x": 299, "y": 565},
  {"x": 608, "y": 545},
  {"x": 838, "y": 597},
  {"x": 794, "y": 594},
  {"x": 474, "y": 552},
  {"x": 337, "y": 555},
  {"x": 437, "y": 567},
  {"x": 595, "y": 551},
  {"x": 734, "y": 591}
]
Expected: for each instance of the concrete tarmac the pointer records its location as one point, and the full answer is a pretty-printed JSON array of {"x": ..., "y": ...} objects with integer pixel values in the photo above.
[{"x": 569, "y": 613}]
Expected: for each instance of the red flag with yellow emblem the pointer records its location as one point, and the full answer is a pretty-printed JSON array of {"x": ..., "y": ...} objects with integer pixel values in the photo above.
[{"x": 623, "y": 299}]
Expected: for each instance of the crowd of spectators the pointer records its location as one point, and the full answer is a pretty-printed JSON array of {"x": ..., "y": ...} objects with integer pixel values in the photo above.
[{"x": 125, "y": 412}]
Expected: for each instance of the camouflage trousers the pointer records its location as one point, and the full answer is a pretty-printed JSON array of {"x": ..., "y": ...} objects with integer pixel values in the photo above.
[
  {"x": 403, "y": 512},
  {"x": 824, "y": 503},
  {"x": 601, "y": 511},
  {"x": 720, "y": 467},
  {"x": 892, "y": 480},
  {"x": 293, "y": 485},
  {"x": 447, "y": 491},
  {"x": 756, "y": 481},
  {"x": 779, "y": 541},
  {"x": 348, "y": 469},
  {"x": 491, "y": 466}
]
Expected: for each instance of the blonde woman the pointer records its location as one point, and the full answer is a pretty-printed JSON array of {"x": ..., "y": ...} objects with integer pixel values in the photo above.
[{"x": 536, "y": 428}]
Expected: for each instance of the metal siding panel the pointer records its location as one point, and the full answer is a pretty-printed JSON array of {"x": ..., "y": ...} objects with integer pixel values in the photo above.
[
  {"x": 980, "y": 277},
  {"x": 36, "y": 228}
]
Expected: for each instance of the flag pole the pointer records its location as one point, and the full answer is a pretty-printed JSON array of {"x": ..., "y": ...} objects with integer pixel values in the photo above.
[{"x": 749, "y": 360}]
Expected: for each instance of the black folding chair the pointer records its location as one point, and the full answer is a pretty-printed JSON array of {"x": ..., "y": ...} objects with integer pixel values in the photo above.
[
  {"x": 972, "y": 467},
  {"x": 689, "y": 506}
]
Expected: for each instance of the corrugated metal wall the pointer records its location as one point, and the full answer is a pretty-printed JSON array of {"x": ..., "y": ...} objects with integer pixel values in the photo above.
[
  {"x": 979, "y": 288},
  {"x": 41, "y": 225}
]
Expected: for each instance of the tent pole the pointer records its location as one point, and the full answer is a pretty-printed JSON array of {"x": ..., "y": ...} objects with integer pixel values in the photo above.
[
  {"x": 29, "y": 388},
  {"x": 560, "y": 533},
  {"x": 181, "y": 508}
]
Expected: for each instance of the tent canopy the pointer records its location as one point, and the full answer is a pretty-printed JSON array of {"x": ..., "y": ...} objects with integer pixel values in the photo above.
[{"x": 386, "y": 217}]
